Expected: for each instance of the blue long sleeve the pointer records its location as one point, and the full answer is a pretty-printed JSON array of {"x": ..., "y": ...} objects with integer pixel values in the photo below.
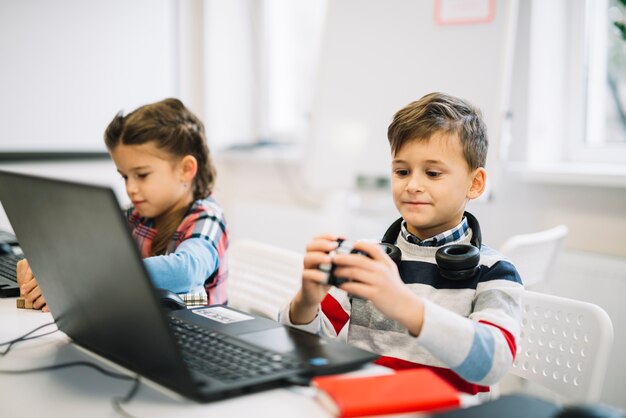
[{"x": 188, "y": 267}]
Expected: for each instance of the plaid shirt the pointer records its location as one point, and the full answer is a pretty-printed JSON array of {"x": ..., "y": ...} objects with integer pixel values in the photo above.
[
  {"x": 438, "y": 240},
  {"x": 204, "y": 220}
]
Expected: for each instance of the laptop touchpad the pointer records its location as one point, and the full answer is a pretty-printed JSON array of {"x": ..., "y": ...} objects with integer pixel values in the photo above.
[{"x": 275, "y": 339}]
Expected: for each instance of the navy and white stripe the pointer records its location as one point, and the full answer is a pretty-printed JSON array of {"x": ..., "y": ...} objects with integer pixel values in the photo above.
[{"x": 470, "y": 326}]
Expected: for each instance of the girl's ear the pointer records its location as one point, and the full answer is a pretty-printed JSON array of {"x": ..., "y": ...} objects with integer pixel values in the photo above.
[
  {"x": 189, "y": 168},
  {"x": 479, "y": 180}
]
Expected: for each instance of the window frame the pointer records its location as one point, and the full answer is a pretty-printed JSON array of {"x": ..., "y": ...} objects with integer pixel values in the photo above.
[
  {"x": 596, "y": 146},
  {"x": 558, "y": 103}
]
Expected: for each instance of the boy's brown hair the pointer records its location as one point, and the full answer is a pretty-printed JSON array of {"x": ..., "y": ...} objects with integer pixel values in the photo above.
[{"x": 438, "y": 112}]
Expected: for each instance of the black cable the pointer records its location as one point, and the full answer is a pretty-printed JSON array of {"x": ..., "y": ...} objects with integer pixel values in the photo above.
[
  {"x": 116, "y": 402},
  {"x": 25, "y": 337},
  {"x": 70, "y": 364},
  {"x": 27, "y": 334}
]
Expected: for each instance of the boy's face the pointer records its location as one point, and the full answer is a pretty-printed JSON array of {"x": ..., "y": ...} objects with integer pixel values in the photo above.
[{"x": 431, "y": 184}]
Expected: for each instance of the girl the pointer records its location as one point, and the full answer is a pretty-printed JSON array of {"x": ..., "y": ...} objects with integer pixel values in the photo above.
[{"x": 161, "y": 153}]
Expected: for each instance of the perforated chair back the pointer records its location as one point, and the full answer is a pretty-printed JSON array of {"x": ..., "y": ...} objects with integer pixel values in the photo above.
[
  {"x": 262, "y": 278},
  {"x": 534, "y": 254},
  {"x": 564, "y": 346}
]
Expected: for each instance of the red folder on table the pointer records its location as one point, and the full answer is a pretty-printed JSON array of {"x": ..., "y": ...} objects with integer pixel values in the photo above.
[{"x": 404, "y": 391}]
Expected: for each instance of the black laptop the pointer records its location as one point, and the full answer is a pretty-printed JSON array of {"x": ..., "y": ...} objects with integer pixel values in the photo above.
[
  {"x": 10, "y": 254},
  {"x": 99, "y": 293}
]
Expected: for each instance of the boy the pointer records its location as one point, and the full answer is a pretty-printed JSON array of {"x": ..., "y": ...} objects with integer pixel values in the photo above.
[{"x": 466, "y": 330}]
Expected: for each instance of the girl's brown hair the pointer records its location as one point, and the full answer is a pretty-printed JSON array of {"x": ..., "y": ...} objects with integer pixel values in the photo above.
[{"x": 176, "y": 130}]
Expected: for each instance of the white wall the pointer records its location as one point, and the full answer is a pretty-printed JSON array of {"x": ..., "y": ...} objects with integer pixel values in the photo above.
[
  {"x": 57, "y": 94},
  {"x": 376, "y": 57}
]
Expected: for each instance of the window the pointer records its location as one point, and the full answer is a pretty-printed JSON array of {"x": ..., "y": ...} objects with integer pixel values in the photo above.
[
  {"x": 261, "y": 57},
  {"x": 606, "y": 103},
  {"x": 576, "y": 95},
  {"x": 289, "y": 50}
]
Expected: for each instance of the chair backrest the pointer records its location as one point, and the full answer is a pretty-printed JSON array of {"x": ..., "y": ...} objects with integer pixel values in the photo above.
[
  {"x": 564, "y": 345},
  {"x": 262, "y": 278},
  {"x": 534, "y": 254}
]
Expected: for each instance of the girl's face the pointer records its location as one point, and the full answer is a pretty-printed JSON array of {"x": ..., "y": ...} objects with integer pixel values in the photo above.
[
  {"x": 431, "y": 184},
  {"x": 155, "y": 180}
]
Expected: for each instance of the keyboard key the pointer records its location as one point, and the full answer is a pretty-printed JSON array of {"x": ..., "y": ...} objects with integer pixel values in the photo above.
[{"x": 224, "y": 358}]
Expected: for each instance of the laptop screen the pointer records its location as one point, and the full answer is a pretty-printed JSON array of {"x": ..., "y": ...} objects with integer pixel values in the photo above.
[{"x": 88, "y": 266}]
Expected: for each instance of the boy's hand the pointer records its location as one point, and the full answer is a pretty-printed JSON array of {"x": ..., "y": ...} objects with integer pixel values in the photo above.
[
  {"x": 29, "y": 289},
  {"x": 305, "y": 304},
  {"x": 377, "y": 279}
]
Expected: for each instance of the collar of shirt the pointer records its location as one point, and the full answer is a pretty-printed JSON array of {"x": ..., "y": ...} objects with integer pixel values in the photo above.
[{"x": 438, "y": 240}]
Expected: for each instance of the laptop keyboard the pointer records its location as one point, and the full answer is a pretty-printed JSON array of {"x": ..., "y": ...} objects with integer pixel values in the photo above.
[
  {"x": 7, "y": 266},
  {"x": 223, "y": 357},
  {"x": 8, "y": 276}
]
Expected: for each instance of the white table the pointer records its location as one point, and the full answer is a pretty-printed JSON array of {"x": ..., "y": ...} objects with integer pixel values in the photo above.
[{"x": 83, "y": 392}]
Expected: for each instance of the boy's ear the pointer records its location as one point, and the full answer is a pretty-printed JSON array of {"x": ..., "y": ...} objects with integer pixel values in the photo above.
[
  {"x": 189, "y": 168},
  {"x": 479, "y": 181}
]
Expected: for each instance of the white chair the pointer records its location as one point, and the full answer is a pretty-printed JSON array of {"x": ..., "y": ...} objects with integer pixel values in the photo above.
[
  {"x": 564, "y": 346},
  {"x": 262, "y": 278},
  {"x": 534, "y": 254}
]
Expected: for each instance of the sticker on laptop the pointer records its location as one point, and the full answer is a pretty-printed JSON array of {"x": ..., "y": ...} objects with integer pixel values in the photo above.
[{"x": 221, "y": 314}]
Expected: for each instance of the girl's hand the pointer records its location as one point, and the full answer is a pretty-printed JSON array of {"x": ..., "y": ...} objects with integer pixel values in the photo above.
[
  {"x": 376, "y": 278},
  {"x": 29, "y": 288},
  {"x": 305, "y": 304}
]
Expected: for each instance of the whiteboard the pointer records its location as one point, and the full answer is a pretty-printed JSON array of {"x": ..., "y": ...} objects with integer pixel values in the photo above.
[
  {"x": 378, "y": 56},
  {"x": 68, "y": 66}
]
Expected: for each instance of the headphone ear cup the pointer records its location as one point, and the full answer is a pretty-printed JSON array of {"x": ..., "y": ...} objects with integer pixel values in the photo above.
[
  {"x": 392, "y": 251},
  {"x": 458, "y": 261}
]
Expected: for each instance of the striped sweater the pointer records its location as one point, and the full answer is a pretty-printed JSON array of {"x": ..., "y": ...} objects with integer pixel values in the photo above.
[{"x": 470, "y": 326}]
